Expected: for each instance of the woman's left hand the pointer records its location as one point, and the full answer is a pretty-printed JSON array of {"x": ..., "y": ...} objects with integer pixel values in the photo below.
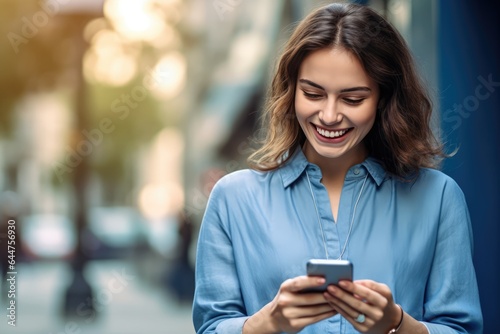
[{"x": 366, "y": 304}]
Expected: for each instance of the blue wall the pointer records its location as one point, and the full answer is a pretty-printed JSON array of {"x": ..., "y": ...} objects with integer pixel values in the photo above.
[{"x": 469, "y": 57}]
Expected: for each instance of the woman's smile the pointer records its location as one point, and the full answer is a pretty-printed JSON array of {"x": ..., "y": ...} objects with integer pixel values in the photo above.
[{"x": 331, "y": 134}]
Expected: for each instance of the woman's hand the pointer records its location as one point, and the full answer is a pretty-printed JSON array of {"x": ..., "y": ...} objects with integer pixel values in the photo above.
[
  {"x": 372, "y": 300},
  {"x": 291, "y": 310}
]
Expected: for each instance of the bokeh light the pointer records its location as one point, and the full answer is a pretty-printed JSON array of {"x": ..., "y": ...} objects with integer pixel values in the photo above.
[
  {"x": 108, "y": 62},
  {"x": 135, "y": 20},
  {"x": 170, "y": 71}
]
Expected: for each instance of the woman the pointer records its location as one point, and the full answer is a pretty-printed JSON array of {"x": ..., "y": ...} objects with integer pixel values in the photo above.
[{"x": 346, "y": 172}]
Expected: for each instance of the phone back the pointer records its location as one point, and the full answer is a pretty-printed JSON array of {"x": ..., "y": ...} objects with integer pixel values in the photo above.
[{"x": 332, "y": 270}]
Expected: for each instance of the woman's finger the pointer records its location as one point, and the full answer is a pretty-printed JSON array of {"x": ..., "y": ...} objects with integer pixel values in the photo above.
[
  {"x": 307, "y": 311},
  {"x": 357, "y": 318},
  {"x": 380, "y": 288},
  {"x": 363, "y": 294},
  {"x": 300, "y": 283},
  {"x": 340, "y": 305},
  {"x": 353, "y": 304}
]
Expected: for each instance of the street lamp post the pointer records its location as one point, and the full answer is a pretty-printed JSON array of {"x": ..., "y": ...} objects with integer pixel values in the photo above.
[{"x": 79, "y": 296}]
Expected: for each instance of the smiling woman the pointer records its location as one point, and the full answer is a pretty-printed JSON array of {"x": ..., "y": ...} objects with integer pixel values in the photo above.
[{"x": 347, "y": 171}]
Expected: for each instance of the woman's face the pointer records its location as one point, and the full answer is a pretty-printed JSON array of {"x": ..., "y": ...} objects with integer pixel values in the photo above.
[{"x": 335, "y": 104}]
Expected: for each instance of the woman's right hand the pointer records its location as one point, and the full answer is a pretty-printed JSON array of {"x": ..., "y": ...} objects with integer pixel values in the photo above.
[{"x": 291, "y": 310}]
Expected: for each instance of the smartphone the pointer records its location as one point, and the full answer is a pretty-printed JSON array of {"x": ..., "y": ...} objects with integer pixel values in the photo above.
[{"x": 332, "y": 270}]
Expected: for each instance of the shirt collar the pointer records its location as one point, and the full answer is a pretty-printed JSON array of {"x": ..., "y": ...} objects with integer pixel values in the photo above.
[{"x": 296, "y": 165}]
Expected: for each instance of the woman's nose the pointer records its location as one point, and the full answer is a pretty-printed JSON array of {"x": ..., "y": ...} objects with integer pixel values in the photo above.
[{"x": 330, "y": 114}]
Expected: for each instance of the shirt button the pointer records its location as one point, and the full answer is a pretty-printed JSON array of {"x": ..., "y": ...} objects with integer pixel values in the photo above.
[{"x": 356, "y": 171}]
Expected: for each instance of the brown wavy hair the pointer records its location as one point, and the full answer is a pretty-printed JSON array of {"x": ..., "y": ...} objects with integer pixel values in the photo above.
[{"x": 401, "y": 137}]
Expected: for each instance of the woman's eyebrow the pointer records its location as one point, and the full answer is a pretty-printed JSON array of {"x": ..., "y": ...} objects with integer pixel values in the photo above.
[
  {"x": 345, "y": 90},
  {"x": 310, "y": 83},
  {"x": 354, "y": 89}
]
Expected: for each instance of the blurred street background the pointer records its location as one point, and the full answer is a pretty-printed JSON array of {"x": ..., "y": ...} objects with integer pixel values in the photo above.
[{"x": 117, "y": 117}]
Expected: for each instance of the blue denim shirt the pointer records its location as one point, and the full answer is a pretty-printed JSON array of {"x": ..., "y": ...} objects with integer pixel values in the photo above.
[{"x": 260, "y": 228}]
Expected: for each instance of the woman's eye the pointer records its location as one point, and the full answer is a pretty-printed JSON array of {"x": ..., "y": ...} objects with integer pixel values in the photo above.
[
  {"x": 312, "y": 96},
  {"x": 353, "y": 101}
]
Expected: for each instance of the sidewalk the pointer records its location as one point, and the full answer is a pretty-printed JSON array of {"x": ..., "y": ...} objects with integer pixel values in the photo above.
[{"x": 126, "y": 304}]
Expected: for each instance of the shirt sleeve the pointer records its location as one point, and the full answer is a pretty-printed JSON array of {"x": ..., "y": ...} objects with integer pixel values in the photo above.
[
  {"x": 452, "y": 298},
  {"x": 218, "y": 304}
]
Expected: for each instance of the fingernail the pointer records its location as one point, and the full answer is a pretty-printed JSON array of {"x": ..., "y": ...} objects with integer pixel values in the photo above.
[
  {"x": 321, "y": 280},
  {"x": 343, "y": 284}
]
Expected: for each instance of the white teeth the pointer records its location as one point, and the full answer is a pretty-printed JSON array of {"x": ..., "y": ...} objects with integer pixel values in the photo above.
[{"x": 330, "y": 134}]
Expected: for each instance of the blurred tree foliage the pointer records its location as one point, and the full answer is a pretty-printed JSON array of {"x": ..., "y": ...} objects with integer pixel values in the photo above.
[
  {"x": 40, "y": 58},
  {"x": 133, "y": 126},
  {"x": 28, "y": 63}
]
